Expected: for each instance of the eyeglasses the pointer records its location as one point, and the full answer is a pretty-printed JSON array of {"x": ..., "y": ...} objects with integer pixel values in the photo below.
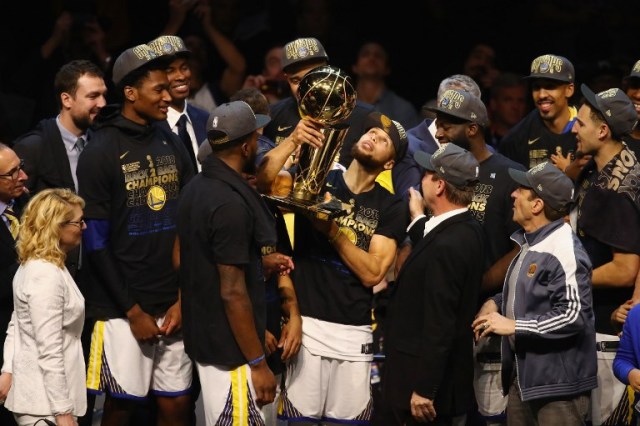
[
  {"x": 79, "y": 223},
  {"x": 14, "y": 173}
]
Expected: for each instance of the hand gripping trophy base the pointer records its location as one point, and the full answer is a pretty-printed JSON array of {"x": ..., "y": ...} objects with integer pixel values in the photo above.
[{"x": 325, "y": 95}]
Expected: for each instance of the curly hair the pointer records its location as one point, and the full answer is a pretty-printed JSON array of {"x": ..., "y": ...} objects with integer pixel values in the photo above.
[{"x": 41, "y": 225}]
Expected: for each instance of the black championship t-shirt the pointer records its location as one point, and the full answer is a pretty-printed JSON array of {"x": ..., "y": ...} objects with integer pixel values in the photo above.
[
  {"x": 326, "y": 288},
  {"x": 285, "y": 117},
  {"x": 492, "y": 205},
  {"x": 608, "y": 218},
  {"x": 215, "y": 226},
  {"x": 133, "y": 181},
  {"x": 530, "y": 142}
]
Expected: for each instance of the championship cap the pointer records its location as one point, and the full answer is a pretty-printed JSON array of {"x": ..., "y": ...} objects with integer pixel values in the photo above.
[
  {"x": 233, "y": 120},
  {"x": 456, "y": 165},
  {"x": 462, "y": 104},
  {"x": 392, "y": 128},
  {"x": 548, "y": 182},
  {"x": 635, "y": 71},
  {"x": 132, "y": 59},
  {"x": 302, "y": 50},
  {"x": 169, "y": 45},
  {"x": 552, "y": 67},
  {"x": 616, "y": 108}
]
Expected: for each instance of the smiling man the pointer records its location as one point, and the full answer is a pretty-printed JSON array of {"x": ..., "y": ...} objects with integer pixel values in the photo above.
[
  {"x": 186, "y": 120},
  {"x": 130, "y": 177},
  {"x": 547, "y": 129}
]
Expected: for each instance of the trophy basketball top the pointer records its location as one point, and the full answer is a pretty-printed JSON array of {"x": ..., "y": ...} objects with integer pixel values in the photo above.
[{"x": 326, "y": 95}]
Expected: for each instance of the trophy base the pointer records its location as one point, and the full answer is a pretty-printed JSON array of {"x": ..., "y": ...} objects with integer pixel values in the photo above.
[{"x": 325, "y": 210}]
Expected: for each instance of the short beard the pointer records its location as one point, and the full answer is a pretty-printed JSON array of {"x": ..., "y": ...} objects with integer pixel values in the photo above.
[{"x": 365, "y": 160}]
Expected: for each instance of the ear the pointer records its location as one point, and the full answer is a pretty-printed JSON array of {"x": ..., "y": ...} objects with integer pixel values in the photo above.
[
  {"x": 65, "y": 99},
  {"x": 472, "y": 130},
  {"x": 389, "y": 164},
  {"x": 537, "y": 206},
  {"x": 440, "y": 187},
  {"x": 603, "y": 131},
  {"x": 130, "y": 93},
  {"x": 570, "y": 89}
]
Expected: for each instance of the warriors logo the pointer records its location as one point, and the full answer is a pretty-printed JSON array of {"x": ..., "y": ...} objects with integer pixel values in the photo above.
[{"x": 156, "y": 198}]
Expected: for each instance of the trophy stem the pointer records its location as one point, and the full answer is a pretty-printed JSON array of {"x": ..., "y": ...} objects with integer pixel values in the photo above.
[{"x": 316, "y": 163}]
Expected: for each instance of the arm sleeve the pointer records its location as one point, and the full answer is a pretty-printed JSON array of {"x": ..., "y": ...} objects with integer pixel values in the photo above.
[
  {"x": 96, "y": 243},
  {"x": 568, "y": 285},
  {"x": 626, "y": 357},
  {"x": 7, "y": 365},
  {"x": 46, "y": 299}
]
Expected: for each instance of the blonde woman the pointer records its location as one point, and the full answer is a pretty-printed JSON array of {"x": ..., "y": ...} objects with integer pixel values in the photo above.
[{"x": 43, "y": 353}]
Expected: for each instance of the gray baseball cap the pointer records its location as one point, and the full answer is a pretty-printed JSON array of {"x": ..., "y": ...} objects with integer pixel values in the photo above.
[
  {"x": 552, "y": 67},
  {"x": 548, "y": 182},
  {"x": 464, "y": 105},
  {"x": 302, "y": 50},
  {"x": 616, "y": 108},
  {"x": 635, "y": 71},
  {"x": 132, "y": 59},
  {"x": 233, "y": 120},
  {"x": 169, "y": 45},
  {"x": 456, "y": 165}
]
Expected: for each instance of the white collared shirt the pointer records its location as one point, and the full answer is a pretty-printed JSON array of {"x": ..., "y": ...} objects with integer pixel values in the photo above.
[
  {"x": 172, "y": 118},
  {"x": 436, "y": 220}
]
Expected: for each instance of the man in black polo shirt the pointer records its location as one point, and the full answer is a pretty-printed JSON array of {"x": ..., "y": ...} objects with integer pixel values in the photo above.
[{"x": 223, "y": 228}]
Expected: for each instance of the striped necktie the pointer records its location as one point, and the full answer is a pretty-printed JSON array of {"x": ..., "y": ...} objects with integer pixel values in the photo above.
[{"x": 14, "y": 223}]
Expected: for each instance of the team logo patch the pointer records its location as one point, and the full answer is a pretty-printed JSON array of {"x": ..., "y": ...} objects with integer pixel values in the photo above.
[
  {"x": 156, "y": 198},
  {"x": 350, "y": 234},
  {"x": 532, "y": 270}
]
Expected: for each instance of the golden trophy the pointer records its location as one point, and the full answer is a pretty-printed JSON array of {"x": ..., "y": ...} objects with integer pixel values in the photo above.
[{"x": 326, "y": 96}]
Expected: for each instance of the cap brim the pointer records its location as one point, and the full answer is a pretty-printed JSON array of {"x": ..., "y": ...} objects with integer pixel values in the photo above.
[
  {"x": 546, "y": 77},
  {"x": 424, "y": 160},
  {"x": 590, "y": 96},
  {"x": 520, "y": 177},
  {"x": 262, "y": 120}
]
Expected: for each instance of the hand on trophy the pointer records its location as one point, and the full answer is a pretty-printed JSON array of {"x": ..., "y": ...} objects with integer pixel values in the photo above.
[{"x": 309, "y": 132}]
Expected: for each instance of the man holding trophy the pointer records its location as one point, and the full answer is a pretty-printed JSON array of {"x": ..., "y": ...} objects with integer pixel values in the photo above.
[
  {"x": 287, "y": 130},
  {"x": 338, "y": 261}
]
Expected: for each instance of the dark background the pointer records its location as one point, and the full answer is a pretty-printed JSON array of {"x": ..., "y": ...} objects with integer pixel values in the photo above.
[{"x": 427, "y": 39}]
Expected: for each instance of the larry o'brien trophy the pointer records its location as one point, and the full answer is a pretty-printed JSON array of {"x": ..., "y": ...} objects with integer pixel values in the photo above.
[{"x": 326, "y": 96}]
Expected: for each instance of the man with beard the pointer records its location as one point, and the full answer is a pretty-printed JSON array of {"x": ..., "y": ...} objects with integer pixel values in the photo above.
[
  {"x": 130, "y": 176},
  {"x": 51, "y": 151},
  {"x": 186, "y": 120},
  {"x": 338, "y": 262},
  {"x": 286, "y": 129},
  {"x": 606, "y": 218},
  {"x": 547, "y": 129},
  {"x": 224, "y": 227}
]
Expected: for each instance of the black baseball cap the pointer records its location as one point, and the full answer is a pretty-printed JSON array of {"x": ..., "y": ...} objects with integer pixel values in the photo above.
[
  {"x": 616, "y": 108},
  {"x": 132, "y": 59},
  {"x": 307, "y": 49},
  {"x": 233, "y": 120},
  {"x": 392, "y": 128},
  {"x": 552, "y": 67},
  {"x": 548, "y": 182},
  {"x": 456, "y": 165},
  {"x": 462, "y": 104}
]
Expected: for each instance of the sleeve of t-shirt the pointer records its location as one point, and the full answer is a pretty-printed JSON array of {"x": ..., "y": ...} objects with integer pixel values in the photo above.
[
  {"x": 95, "y": 180},
  {"x": 231, "y": 226},
  {"x": 612, "y": 219},
  {"x": 394, "y": 220}
]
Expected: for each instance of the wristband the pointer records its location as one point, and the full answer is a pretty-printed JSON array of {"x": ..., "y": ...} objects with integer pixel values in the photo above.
[{"x": 256, "y": 361}]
